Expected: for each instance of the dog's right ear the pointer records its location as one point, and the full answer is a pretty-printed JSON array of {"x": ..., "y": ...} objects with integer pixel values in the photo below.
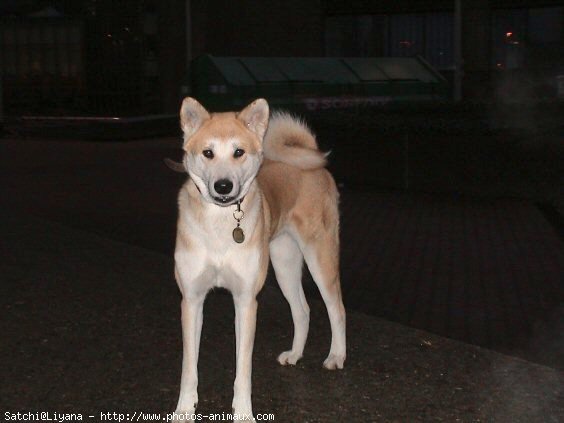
[{"x": 192, "y": 115}]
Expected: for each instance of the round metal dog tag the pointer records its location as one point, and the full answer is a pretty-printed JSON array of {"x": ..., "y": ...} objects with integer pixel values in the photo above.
[{"x": 238, "y": 235}]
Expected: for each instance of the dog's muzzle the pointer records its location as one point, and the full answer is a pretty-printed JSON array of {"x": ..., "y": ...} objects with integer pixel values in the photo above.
[{"x": 224, "y": 187}]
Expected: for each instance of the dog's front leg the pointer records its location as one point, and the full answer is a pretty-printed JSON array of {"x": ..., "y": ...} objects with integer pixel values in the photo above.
[
  {"x": 245, "y": 325},
  {"x": 192, "y": 315}
]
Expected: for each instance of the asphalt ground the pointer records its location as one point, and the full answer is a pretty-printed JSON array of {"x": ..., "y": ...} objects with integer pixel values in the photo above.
[
  {"x": 484, "y": 270},
  {"x": 91, "y": 327}
]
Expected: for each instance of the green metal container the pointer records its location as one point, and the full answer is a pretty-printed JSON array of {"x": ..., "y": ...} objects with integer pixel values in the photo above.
[{"x": 315, "y": 84}]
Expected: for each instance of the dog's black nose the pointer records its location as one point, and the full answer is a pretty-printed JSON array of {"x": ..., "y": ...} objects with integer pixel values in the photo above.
[{"x": 223, "y": 186}]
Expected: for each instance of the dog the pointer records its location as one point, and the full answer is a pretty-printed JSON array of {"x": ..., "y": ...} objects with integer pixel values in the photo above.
[{"x": 257, "y": 188}]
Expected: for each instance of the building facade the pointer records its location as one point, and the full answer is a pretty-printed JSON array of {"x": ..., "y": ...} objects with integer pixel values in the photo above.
[{"x": 130, "y": 57}]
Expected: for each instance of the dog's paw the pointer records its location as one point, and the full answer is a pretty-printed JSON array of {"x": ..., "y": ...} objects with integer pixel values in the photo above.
[
  {"x": 186, "y": 409},
  {"x": 334, "y": 361},
  {"x": 242, "y": 408},
  {"x": 289, "y": 357}
]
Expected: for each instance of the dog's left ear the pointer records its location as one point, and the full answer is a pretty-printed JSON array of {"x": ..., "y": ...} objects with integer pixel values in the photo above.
[{"x": 255, "y": 116}]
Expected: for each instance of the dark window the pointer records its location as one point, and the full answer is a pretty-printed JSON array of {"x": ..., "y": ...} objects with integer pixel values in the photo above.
[{"x": 427, "y": 34}]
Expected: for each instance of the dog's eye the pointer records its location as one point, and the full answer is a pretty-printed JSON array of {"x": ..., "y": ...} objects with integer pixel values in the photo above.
[
  {"x": 238, "y": 153},
  {"x": 208, "y": 154}
]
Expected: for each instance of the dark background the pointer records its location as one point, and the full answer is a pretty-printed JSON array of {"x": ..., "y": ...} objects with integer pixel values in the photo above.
[
  {"x": 101, "y": 57},
  {"x": 452, "y": 213}
]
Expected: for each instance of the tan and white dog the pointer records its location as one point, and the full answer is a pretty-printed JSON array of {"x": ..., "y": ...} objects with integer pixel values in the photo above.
[{"x": 257, "y": 188}]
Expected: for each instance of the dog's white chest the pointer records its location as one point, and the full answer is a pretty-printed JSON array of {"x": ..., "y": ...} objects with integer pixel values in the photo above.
[{"x": 211, "y": 256}]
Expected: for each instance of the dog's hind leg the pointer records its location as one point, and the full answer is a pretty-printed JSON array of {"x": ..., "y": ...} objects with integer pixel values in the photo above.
[
  {"x": 287, "y": 261},
  {"x": 322, "y": 257}
]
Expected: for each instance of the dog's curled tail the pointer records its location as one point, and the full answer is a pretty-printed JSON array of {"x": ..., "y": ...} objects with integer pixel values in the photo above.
[{"x": 289, "y": 140}]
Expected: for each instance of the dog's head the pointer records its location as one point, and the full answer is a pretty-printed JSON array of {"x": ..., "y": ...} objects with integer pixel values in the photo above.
[{"x": 223, "y": 151}]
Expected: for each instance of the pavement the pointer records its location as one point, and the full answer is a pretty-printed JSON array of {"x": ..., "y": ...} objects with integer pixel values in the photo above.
[
  {"x": 432, "y": 283},
  {"x": 92, "y": 325},
  {"x": 484, "y": 271}
]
